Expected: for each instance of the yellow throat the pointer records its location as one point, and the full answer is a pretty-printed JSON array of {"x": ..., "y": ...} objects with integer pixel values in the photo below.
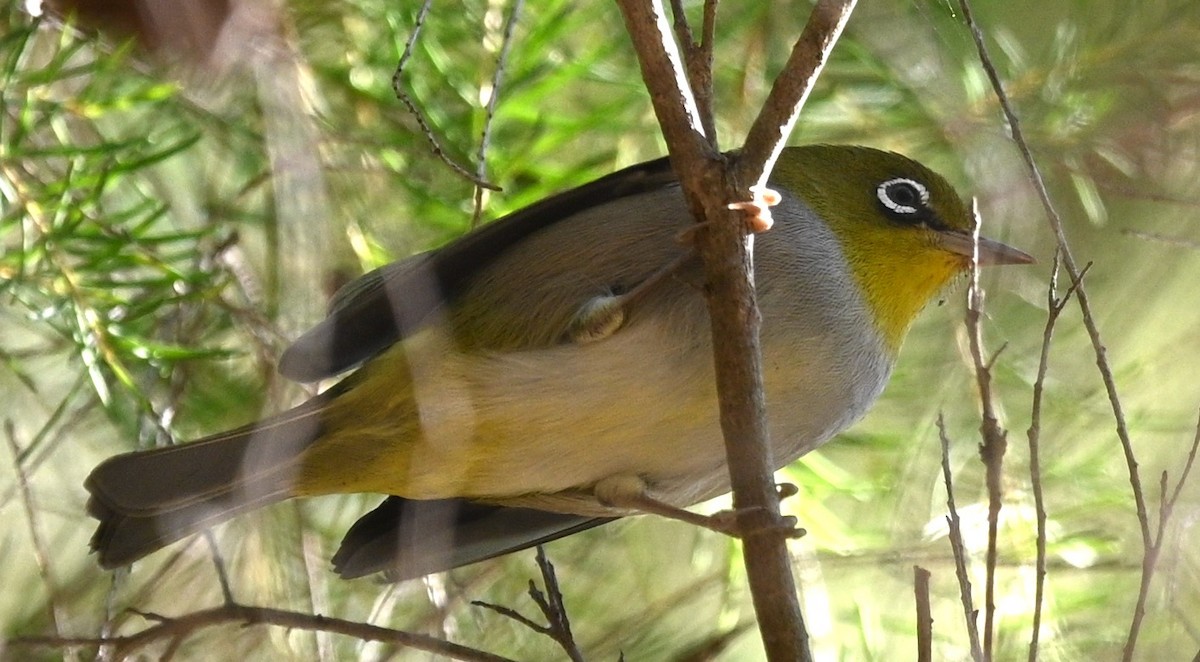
[{"x": 902, "y": 227}]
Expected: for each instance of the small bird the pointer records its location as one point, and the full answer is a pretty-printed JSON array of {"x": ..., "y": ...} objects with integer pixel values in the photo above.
[{"x": 552, "y": 370}]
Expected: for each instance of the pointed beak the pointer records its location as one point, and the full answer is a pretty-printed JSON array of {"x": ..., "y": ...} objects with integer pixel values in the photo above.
[{"x": 991, "y": 252}]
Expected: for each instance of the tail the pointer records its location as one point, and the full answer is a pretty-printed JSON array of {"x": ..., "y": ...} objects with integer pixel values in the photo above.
[{"x": 146, "y": 500}]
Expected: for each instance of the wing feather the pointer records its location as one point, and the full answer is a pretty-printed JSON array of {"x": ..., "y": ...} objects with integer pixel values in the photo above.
[{"x": 395, "y": 301}]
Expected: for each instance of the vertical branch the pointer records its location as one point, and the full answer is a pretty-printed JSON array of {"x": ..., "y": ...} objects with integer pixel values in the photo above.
[
  {"x": 714, "y": 191},
  {"x": 924, "y": 614},
  {"x": 41, "y": 556},
  {"x": 995, "y": 438},
  {"x": 958, "y": 548},
  {"x": 1054, "y": 307},
  {"x": 219, "y": 567},
  {"x": 670, "y": 91},
  {"x": 698, "y": 60},
  {"x": 1035, "y": 466},
  {"x": 1089, "y": 321}
]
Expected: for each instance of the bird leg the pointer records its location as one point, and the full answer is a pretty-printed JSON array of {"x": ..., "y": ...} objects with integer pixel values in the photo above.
[
  {"x": 600, "y": 317},
  {"x": 631, "y": 492}
]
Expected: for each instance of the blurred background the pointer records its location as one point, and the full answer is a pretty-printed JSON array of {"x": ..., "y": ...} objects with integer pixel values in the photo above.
[{"x": 182, "y": 189}]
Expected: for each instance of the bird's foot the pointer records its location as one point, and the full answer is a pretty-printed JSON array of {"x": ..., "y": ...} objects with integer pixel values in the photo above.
[
  {"x": 758, "y": 208},
  {"x": 631, "y": 492},
  {"x": 757, "y": 212}
]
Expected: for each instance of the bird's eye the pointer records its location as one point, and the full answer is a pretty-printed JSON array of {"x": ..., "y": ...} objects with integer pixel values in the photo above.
[{"x": 904, "y": 199}]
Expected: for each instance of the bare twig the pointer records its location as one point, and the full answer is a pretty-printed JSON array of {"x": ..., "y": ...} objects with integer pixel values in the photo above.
[
  {"x": 509, "y": 612},
  {"x": 40, "y": 555},
  {"x": 791, "y": 88},
  {"x": 398, "y": 88},
  {"x": 175, "y": 631},
  {"x": 697, "y": 60},
  {"x": 924, "y": 614},
  {"x": 219, "y": 566},
  {"x": 1035, "y": 467},
  {"x": 1153, "y": 552},
  {"x": 710, "y": 188},
  {"x": 670, "y": 92},
  {"x": 735, "y": 321},
  {"x": 1089, "y": 320},
  {"x": 316, "y": 587},
  {"x": 958, "y": 548},
  {"x": 995, "y": 438},
  {"x": 550, "y": 604},
  {"x": 1054, "y": 308},
  {"x": 1169, "y": 506},
  {"x": 485, "y": 139},
  {"x": 553, "y": 608}
]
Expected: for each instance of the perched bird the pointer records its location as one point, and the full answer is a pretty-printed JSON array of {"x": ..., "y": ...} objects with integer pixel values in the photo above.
[{"x": 553, "y": 370}]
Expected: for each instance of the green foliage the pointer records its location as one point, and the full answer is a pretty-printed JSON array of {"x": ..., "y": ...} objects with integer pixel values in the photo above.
[{"x": 151, "y": 246}]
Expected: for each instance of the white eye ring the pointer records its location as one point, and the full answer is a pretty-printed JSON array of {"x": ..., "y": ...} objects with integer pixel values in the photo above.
[{"x": 883, "y": 192}]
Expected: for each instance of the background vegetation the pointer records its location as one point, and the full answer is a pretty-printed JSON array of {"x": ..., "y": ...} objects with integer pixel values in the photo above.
[{"x": 166, "y": 229}]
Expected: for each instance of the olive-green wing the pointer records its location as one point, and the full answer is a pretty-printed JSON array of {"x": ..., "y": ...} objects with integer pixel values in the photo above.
[{"x": 394, "y": 301}]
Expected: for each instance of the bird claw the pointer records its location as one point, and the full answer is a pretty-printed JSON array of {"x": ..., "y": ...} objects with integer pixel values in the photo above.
[
  {"x": 757, "y": 211},
  {"x": 785, "y": 490},
  {"x": 758, "y": 208},
  {"x": 631, "y": 493},
  {"x": 730, "y": 523}
]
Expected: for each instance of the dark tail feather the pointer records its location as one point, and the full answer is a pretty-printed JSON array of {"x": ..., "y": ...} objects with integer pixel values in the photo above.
[
  {"x": 146, "y": 500},
  {"x": 405, "y": 538}
]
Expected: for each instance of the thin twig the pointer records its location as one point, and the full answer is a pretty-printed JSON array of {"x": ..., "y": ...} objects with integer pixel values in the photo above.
[
  {"x": 40, "y": 556},
  {"x": 219, "y": 566},
  {"x": 710, "y": 187},
  {"x": 698, "y": 60},
  {"x": 398, "y": 88},
  {"x": 958, "y": 548},
  {"x": 670, "y": 91},
  {"x": 550, "y": 604},
  {"x": 995, "y": 438},
  {"x": 1153, "y": 552},
  {"x": 1054, "y": 308},
  {"x": 1089, "y": 320},
  {"x": 1035, "y": 466},
  {"x": 791, "y": 88},
  {"x": 177, "y": 630},
  {"x": 485, "y": 140},
  {"x": 924, "y": 614},
  {"x": 554, "y": 608},
  {"x": 1169, "y": 507},
  {"x": 509, "y": 612},
  {"x": 683, "y": 31}
]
